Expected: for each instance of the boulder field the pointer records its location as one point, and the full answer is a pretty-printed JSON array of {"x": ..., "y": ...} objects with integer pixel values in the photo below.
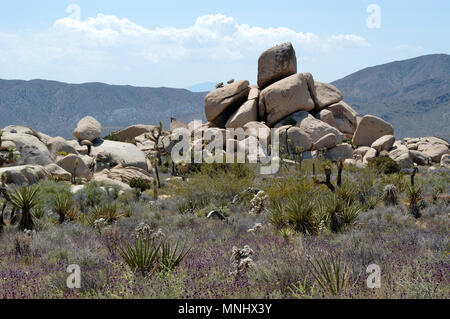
[{"x": 308, "y": 116}]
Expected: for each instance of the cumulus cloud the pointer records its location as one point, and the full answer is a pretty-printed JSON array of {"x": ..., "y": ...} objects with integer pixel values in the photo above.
[
  {"x": 215, "y": 37},
  {"x": 113, "y": 49}
]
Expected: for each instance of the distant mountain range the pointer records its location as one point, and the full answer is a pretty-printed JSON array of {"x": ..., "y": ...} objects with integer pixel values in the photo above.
[{"x": 413, "y": 95}]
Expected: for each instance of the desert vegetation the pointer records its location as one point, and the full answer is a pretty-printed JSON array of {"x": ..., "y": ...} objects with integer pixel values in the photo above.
[{"x": 281, "y": 236}]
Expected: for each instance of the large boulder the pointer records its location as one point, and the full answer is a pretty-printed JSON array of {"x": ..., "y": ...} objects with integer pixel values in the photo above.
[
  {"x": 327, "y": 117},
  {"x": 20, "y": 129},
  {"x": 325, "y": 94},
  {"x": 227, "y": 98},
  {"x": 384, "y": 143},
  {"x": 59, "y": 144},
  {"x": 32, "y": 150},
  {"x": 117, "y": 153},
  {"x": 315, "y": 128},
  {"x": 296, "y": 137},
  {"x": 328, "y": 141},
  {"x": 434, "y": 151},
  {"x": 344, "y": 116},
  {"x": 285, "y": 97},
  {"x": 401, "y": 155},
  {"x": 58, "y": 173},
  {"x": 257, "y": 129},
  {"x": 24, "y": 174},
  {"x": 88, "y": 128},
  {"x": 420, "y": 158},
  {"x": 133, "y": 131},
  {"x": 75, "y": 165},
  {"x": 126, "y": 174},
  {"x": 371, "y": 128},
  {"x": 248, "y": 112},
  {"x": 341, "y": 151},
  {"x": 275, "y": 64}
]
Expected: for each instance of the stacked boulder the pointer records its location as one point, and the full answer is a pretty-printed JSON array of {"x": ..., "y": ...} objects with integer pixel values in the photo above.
[{"x": 310, "y": 115}]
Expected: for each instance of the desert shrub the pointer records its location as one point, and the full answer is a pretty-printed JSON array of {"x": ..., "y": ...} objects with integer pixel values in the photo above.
[
  {"x": 62, "y": 153},
  {"x": 109, "y": 212},
  {"x": 49, "y": 190},
  {"x": 384, "y": 164},
  {"x": 62, "y": 205},
  {"x": 139, "y": 184},
  {"x": 91, "y": 195},
  {"x": 390, "y": 195}
]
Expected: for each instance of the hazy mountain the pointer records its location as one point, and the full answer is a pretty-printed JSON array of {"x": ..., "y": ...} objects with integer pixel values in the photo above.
[
  {"x": 413, "y": 95},
  {"x": 202, "y": 87},
  {"x": 55, "y": 108}
]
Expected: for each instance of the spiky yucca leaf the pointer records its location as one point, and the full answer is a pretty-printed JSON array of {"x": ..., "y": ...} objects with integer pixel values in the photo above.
[
  {"x": 24, "y": 198},
  {"x": 171, "y": 256},
  {"x": 142, "y": 256}
]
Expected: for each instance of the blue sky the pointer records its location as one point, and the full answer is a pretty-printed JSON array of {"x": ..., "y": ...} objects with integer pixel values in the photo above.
[{"x": 181, "y": 43}]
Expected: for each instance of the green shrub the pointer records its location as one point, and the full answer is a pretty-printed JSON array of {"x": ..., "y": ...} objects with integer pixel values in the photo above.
[
  {"x": 384, "y": 164},
  {"x": 139, "y": 183},
  {"x": 111, "y": 137}
]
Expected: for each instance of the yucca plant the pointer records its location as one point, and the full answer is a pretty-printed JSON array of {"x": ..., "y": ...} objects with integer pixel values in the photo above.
[
  {"x": 414, "y": 195},
  {"x": 109, "y": 211},
  {"x": 62, "y": 205},
  {"x": 142, "y": 257},
  {"x": 390, "y": 195},
  {"x": 172, "y": 255},
  {"x": 300, "y": 214},
  {"x": 25, "y": 199},
  {"x": 330, "y": 273}
]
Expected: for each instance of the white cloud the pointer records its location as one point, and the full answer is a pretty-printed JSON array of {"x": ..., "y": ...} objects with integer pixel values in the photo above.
[
  {"x": 112, "y": 49},
  {"x": 215, "y": 37}
]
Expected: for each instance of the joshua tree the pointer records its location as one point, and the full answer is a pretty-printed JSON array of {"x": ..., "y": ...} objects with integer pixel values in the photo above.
[
  {"x": 155, "y": 137},
  {"x": 413, "y": 175},
  {"x": 390, "y": 195},
  {"x": 155, "y": 189},
  {"x": 414, "y": 198},
  {"x": 25, "y": 199},
  {"x": 327, "y": 182},
  {"x": 339, "y": 175}
]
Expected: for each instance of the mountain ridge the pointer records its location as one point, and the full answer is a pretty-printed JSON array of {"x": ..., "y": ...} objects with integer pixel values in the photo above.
[{"x": 412, "y": 94}]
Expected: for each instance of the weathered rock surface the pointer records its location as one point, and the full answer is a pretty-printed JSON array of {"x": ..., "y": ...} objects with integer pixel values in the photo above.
[
  {"x": 32, "y": 150},
  {"x": 133, "y": 131},
  {"x": 24, "y": 174},
  {"x": 175, "y": 124},
  {"x": 257, "y": 129},
  {"x": 420, "y": 158},
  {"x": 315, "y": 128},
  {"x": 285, "y": 97},
  {"x": 58, "y": 172},
  {"x": 88, "y": 128},
  {"x": 434, "y": 151},
  {"x": 298, "y": 138},
  {"x": 371, "y": 128},
  {"x": 341, "y": 151},
  {"x": 325, "y": 95},
  {"x": 275, "y": 64},
  {"x": 126, "y": 174},
  {"x": 328, "y": 141},
  {"x": 59, "y": 144},
  {"x": 248, "y": 112},
  {"x": 227, "y": 98},
  {"x": 75, "y": 165},
  {"x": 384, "y": 143},
  {"x": 344, "y": 116},
  {"x": 327, "y": 117},
  {"x": 125, "y": 154}
]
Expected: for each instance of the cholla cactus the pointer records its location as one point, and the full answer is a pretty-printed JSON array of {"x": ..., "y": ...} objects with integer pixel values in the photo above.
[
  {"x": 241, "y": 260},
  {"x": 99, "y": 224},
  {"x": 258, "y": 202},
  {"x": 145, "y": 232},
  {"x": 390, "y": 195}
]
